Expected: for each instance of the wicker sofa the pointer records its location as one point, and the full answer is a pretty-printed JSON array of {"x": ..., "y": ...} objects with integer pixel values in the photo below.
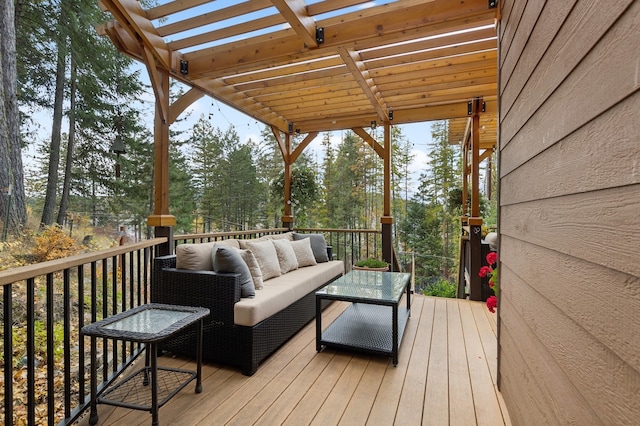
[{"x": 241, "y": 331}]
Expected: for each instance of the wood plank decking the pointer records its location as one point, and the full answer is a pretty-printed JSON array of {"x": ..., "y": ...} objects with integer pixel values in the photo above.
[{"x": 446, "y": 376}]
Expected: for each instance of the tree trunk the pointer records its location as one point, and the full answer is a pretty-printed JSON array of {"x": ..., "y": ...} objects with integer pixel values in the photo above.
[
  {"x": 66, "y": 187},
  {"x": 56, "y": 130},
  {"x": 11, "y": 173}
]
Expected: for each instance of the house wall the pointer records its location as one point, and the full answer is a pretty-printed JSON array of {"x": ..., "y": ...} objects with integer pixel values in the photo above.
[{"x": 569, "y": 140}]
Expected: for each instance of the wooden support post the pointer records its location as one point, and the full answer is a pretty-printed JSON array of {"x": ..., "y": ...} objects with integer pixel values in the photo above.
[
  {"x": 475, "y": 158},
  {"x": 387, "y": 219},
  {"x": 287, "y": 158},
  {"x": 465, "y": 177},
  {"x": 161, "y": 219},
  {"x": 475, "y": 258}
]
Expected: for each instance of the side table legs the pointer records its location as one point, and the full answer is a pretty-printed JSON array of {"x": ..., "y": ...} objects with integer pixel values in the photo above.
[
  {"x": 199, "y": 357},
  {"x": 154, "y": 383},
  {"x": 93, "y": 416}
]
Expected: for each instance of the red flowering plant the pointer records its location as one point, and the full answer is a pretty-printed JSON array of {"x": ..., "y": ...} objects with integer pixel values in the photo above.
[{"x": 492, "y": 272}]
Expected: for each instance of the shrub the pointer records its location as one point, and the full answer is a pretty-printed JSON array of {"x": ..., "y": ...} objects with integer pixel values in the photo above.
[
  {"x": 372, "y": 263},
  {"x": 54, "y": 243},
  {"x": 440, "y": 288}
]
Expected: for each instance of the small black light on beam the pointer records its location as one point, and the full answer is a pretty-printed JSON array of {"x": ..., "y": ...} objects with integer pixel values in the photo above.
[
  {"x": 390, "y": 115},
  {"x": 320, "y": 35},
  {"x": 184, "y": 67},
  {"x": 290, "y": 128},
  {"x": 373, "y": 124},
  {"x": 493, "y": 4}
]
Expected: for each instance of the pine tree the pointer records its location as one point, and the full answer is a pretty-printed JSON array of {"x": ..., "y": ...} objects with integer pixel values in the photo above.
[{"x": 12, "y": 196}]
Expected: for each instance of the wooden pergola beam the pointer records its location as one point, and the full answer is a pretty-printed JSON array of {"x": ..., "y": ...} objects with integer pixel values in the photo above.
[
  {"x": 359, "y": 72},
  {"x": 295, "y": 12}
]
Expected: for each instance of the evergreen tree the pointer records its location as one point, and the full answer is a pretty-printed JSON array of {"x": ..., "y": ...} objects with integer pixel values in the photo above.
[
  {"x": 346, "y": 201},
  {"x": 431, "y": 227},
  {"x": 243, "y": 189},
  {"x": 182, "y": 201},
  {"x": 270, "y": 164},
  {"x": 12, "y": 196},
  {"x": 206, "y": 158}
]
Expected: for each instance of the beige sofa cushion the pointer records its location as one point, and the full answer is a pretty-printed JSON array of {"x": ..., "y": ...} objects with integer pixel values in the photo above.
[
  {"x": 197, "y": 257},
  {"x": 254, "y": 268},
  {"x": 283, "y": 236},
  {"x": 280, "y": 292},
  {"x": 303, "y": 252},
  {"x": 265, "y": 253},
  {"x": 286, "y": 256}
]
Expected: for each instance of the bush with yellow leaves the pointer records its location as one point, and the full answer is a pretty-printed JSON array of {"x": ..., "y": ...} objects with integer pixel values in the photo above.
[{"x": 54, "y": 243}]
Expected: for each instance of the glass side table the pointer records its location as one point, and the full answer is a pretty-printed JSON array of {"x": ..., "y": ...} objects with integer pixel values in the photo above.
[{"x": 150, "y": 324}]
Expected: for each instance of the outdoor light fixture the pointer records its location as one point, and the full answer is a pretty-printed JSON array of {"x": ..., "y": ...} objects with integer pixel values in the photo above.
[
  {"x": 320, "y": 35},
  {"x": 184, "y": 67},
  {"x": 290, "y": 128},
  {"x": 390, "y": 115},
  {"x": 373, "y": 124},
  {"x": 118, "y": 148}
]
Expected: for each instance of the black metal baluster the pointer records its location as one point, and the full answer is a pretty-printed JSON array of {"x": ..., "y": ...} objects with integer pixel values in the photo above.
[
  {"x": 31, "y": 353},
  {"x": 7, "y": 298},
  {"x": 50, "y": 352},
  {"x": 147, "y": 260},
  {"x": 66, "y": 294},
  {"x": 114, "y": 306},
  {"x": 105, "y": 313},
  {"x": 81, "y": 366}
]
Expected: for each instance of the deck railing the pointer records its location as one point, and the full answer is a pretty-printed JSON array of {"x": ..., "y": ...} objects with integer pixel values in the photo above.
[{"x": 45, "y": 360}]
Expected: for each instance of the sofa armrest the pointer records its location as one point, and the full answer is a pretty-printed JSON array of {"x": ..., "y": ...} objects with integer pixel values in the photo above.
[{"x": 209, "y": 289}]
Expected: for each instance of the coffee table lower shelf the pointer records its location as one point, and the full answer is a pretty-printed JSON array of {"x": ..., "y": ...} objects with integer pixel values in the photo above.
[{"x": 367, "y": 328}]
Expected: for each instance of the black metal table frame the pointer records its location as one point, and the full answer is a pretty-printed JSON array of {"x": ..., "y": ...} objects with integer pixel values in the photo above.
[
  {"x": 150, "y": 340},
  {"x": 349, "y": 314}
]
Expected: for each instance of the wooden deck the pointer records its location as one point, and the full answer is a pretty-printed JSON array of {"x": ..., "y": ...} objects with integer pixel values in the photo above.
[{"x": 446, "y": 376}]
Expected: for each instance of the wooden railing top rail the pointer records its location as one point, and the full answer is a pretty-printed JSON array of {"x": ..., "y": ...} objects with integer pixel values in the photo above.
[
  {"x": 229, "y": 233},
  {"x": 38, "y": 269},
  {"x": 346, "y": 231}
]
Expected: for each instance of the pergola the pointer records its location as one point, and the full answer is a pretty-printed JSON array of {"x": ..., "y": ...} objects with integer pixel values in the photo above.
[{"x": 307, "y": 67}]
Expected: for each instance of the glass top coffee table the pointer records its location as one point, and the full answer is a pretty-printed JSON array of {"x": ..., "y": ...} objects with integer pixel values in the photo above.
[
  {"x": 149, "y": 324},
  {"x": 374, "y": 323}
]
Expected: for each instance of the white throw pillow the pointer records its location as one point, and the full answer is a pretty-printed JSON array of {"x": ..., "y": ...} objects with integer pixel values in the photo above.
[
  {"x": 265, "y": 254},
  {"x": 304, "y": 253},
  {"x": 286, "y": 256},
  {"x": 196, "y": 257},
  {"x": 318, "y": 245},
  {"x": 254, "y": 268}
]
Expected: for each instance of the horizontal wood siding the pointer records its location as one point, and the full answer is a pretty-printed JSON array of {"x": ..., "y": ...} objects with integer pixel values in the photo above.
[{"x": 569, "y": 344}]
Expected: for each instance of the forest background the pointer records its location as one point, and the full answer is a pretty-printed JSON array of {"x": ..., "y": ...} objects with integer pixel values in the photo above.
[{"x": 78, "y": 98}]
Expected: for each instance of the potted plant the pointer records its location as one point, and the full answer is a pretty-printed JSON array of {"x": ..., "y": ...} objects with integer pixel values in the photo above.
[{"x": 371, "y": 264}]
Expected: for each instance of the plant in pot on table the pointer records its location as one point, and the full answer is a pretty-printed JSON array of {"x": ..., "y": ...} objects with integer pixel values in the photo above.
[{"x": 371, "y": 264}]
